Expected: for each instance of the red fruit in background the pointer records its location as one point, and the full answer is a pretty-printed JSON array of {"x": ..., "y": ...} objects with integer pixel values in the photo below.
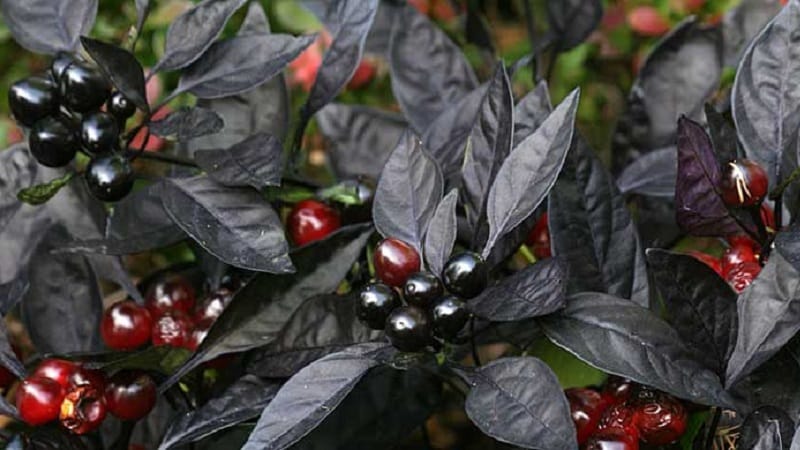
[
  {"x": 693, "y": 5},
  {"x": 395, "y": 261},
  {"x": 612, "y": 439},
  {"x": 130, "y": 395},
  {"x": 172, "y": 329},
  {"x": 744, "y": 183},
  {"x": 207, "y": 311},
  {"x": 311, "y": 220},
  {"x": 619, "y": 416},
  {"x": 126, "y": 326},
  {"x": 58, "y": 370},
  {"x": 709, "y": 260},
  {"x": 661, "y": 420},
  {"x": 39, "y": 400},
  {"x": 364, "y": 74},
  {"x": 741, "y": 275},
  {"x": 539, "y": 239},
  {"x": 196, "y": 338},
  {"x": 83, "y": 409},
  {"x": 647, "y": 21},
  {"x": 303, "y": 69},
  {"x": 586, "y": 406},
  {"x": 171, "y": 293},
  {"x": 617, "y": 389},
  {"x": 737, "y": 255},
  {"x": 154, "y": 143}
]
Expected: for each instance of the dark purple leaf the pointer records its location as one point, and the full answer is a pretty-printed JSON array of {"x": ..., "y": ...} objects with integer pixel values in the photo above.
[
  {"x": 625, "y": 339},
  {"x": 476, "y": 30},
  {"x": 47, "y": 26},
  {"x": 187, "y": 123},
  {"x": 700, "y": 209},
  {"x": 699, "y": 304},
  {"x": 651, "y": 174},
  {"x": 723, "y": 135},
  {"x": 766, "y": 428},
  {"x": 534, "y": 291},
  {"x": 238, "y": 64},
  {"x": 142, "y": 11},
  {"x": 531, "y": 111},
  {"x": 429, "y": 73},
  {"x": 17, "y": 171},
  {"x": 193, "y": 32},
  {"x": 573, "y": 20},
  {"x": 257, "y": 161},
  {"x": 310, "y": 396},
  {"x": 742, "y": 23},
  {"x": 519, "y": 401},
  {"x": 121, "y": 67},
  {"x": 442, "y": 232},
  {"x": 787, "y": 243},
  {"x": 12, "y": 292},
  {"x": 235, "y": 224},
  {"x": 360, "y": 138},
  {"x": 409, "y": 188},
  {"x": 529, "y": 172},
  {"x": 8, "y": 358},
  {"x": 769, "y": 315},
  {"x": 764, "y": 99}
]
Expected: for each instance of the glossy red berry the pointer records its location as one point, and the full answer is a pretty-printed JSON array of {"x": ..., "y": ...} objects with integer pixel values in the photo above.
[
  {"x": 39, "y": 400},
  {"x": 130, "y": 395},
  {"x": 743, "y": 240},
  {"x": 539, "y": 239},
  {"x": 207, "y": 311},
  {"x": 744, "y": 183},
  {"x": 586, "y": 406},
  {"x": 737, "y": 255},
  {"x": 172, "y": 329},
  {"x": 83, "y": 409},
  {"x": 660, "y": 420},
  {"x": 741, "y": 275},
  {"x": 171, "y": 293},
  {"x": 196, "y": 337},
  {"x": 612, "y": 439},
  {"x": 58, "y": 370},
  {"x": 619, "y": 416},
  {"x": 312, "y": 220},
  {"x": 87, "y": 377},
  {"x": 709, "y": 260},
  {"x": 617, "y": 389},
  {"x": 395, "y": 261},
  {"x": 126, "y": 326}
]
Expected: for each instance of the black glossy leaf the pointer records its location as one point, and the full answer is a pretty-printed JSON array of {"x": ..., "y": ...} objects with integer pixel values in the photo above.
[
  {"x": 527, "y": 175},
  {"x": 769, "y": 315},
  {"x": 234, "y": 224},
  {"x": 310, "y": 396},
  {"x": 625, "y": 339},
  {"x": 519, "y": 401},
  {"x": 723, "y": 135},
  {"x": 787, "y": 243},
  {"x": 441, "y": 234},
  {"x": 260, "y": 310},
  {"x": 187, "y": 123},
  {"x": 651, "y": 174},
  {"x": 774, "y": 383},
  {"x": 534, "y": 291},
  {"x": 573, "y": 20},
  {"x": 256, "y": 161},
  {"x": 243, "y": 400},
  {"x": 193, "y": 32},
  {"x": 592, "y": 229},
  {"x": 353, "y": 21},
  {"x": 676, "y": 79},
  {"x": 321, "y": 325},
  {"x": 64, "y": 291},
  {"x": 121, "y": 67},
  {"x": 765, "y": 98},
  {"x": 700, "y": 305},
  {"x": 428, "y": 71},
  {"x": 766, "y": 428},
  {"x": 742, "y": 23},
  {"x": 46, "y": 26},
  {"x": 409, "y": 188},
  {"x": 700, "y": 209},
  {"x": 238, "y": 64},
  {"x": 489, "y": 145},
  {"x": 531, "y": 111},
  {"x": 360, "y": 138}
]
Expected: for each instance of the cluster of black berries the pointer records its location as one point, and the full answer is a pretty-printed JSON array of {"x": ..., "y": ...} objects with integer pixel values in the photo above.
[
  {"x": 426, "y": 314},
  {"x": 62, "y": 109}
]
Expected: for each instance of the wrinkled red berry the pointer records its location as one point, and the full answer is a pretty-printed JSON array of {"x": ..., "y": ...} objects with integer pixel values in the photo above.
[
  {"x": 618, "y": 390},
  {"x": 539, "y": 239},
  {"x": 661, "y": 420},
  {"x": 58, "y": 370},
  {"x": 39, "y": 400},
  {"x": 83, "y": 409},
  {"x": 612, "y": 439},
  {"x": 741, "y": 275},
  {"x": 130, "y": 395},
  {"x": 395, "y": 261},
  {"x": 709, "y": 260},
  {"x": 207, "y": 312},
  {"x": 737, "y": 255},
  {"x": 312, "y": 220},
  {"x": 172, "y": 293},
  {"x": 87, "y": 377},
  {"x": 619, "y": 416},
  {"x": 744, "y": 183},
  {"x": 172, "y": 329},
  {"x": 126, "y": 326},
  {"x": 586, "y": 406}
]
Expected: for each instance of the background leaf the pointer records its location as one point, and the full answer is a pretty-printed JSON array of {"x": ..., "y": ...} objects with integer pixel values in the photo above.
[
  {"x": 742, "y": 23},
  {"x": 256, "y": 161},
  {"x": 46, "y": 26},
  {"x": 531, "y": 111},
  {"x": 187, "y": 123},
  {"x": 441, "y": 234},
  {"x": 121, "y": 67},
  {"x": 573, "y": 20},
  {"x": 652, "y": 174}
]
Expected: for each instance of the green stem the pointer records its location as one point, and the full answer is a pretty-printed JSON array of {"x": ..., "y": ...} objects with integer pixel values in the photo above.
[
  {"x": 526, "y": 253},
  {"x": 778, "y": 191}
]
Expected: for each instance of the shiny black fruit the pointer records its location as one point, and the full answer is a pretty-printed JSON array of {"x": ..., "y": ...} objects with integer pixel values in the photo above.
[
  {"x": 449, "y": 317},
  {"x": 465, "y": 275},
  {"x": 375, "y": 302},
  {"x": 59, "y": 64},
  {"x": 52, "y": 142},
  {"x": 32, "y": 99},
  {"x": 83, "y": 88},
  {"x": 120, "y": 107},
  {"x": 109, "y": 178},
  {"x": 99, "y": 133},
  {"x": 409, "y": 329},
  {"x": 422, "y": 289}
]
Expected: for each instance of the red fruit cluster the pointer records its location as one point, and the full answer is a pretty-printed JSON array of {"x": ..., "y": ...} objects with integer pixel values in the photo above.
[
  {"x": 310, "y": 221},
  {"x": 79, "y": 398},
  {"x": 739, "y": 264},
  {"x": 539, "y": 238},
  {"x": 619, "y": 418}
]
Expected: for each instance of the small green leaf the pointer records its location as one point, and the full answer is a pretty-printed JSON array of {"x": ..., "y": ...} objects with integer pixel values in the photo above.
[
  {"x": 159, "y": 359},
  {"x": 346, "y": 194},
  {"x": 41, "y": 193},
  {"x": 288, "y": 194}
]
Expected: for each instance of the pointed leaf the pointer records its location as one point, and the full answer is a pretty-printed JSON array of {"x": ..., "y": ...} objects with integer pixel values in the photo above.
[
  {"x": 625, "y": 339},
  {"x": 408, "y": 191},
  {"x": 187, "y": 123},
  {"x": 651, "y": 174},
  {"x": 121, "y": 67},
  {"x": 8, "y": 358},
  {"x": 142, "y": 11},
  {"x": 46, "y": 26},
  {"x": 531, "y": 112},
  {"x": 742, "y": 23},
  {"x": 234, "y": 224},
  {"x": 787, "y": 243},
  {"x": 519, "y": 401},
  {"x": 723, "y": 136},
  {"x": 256, "y": 161},
  {"x": 441, "y": 234},
  {"x": 766, "y": 428},
  {"x": 573, "y": 20}
]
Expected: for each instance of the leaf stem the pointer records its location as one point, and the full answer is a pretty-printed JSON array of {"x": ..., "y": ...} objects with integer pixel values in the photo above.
[
  {"x": 777, "y": 193},
  {"x": 169, "y": 159},
  {"x": 475, "y": 356},
  {"x": 712, "y": 430}
]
